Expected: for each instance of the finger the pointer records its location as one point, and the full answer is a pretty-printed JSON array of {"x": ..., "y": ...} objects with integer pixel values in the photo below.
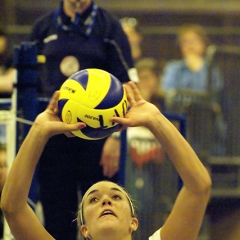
[
  {"x": 53, "y": 102},
  {"x": 130, "y": 97},
  {"x": 73, "y": 127},
  {"x": 136, "y": 91},
  {"x": 125, "y": 122}
]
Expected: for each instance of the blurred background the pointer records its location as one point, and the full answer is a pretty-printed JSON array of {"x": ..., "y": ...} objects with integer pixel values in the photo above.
[{"x": 158, "y": 22}]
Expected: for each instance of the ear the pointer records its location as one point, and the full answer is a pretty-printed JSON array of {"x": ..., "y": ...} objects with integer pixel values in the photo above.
[
  {"x": 134, "y": 224},
  {"x": 84, "y": 231}
]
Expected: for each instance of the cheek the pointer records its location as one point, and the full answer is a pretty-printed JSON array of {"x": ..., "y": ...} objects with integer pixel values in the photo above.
[
  {"x": 124, "y": 212},
  {"x": 90, "y": 213},
  {"x": 201, "y": 49},
  {"x": 191, "y": 50},
  {"x": 184, "y": 49}
]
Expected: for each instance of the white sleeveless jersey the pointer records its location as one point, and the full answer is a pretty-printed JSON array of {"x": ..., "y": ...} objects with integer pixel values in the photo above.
[{"x": 156, "y": 235}]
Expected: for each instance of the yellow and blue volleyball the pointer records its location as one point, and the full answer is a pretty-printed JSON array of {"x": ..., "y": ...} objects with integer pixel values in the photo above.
[{"x": 92, "y": 96}]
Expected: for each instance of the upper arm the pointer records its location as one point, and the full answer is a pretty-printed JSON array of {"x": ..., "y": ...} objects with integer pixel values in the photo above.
[{"x": 25, "y": 226}]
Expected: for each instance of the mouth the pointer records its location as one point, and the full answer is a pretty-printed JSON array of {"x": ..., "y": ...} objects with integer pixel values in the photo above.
[{"x": 107, "y": 212}]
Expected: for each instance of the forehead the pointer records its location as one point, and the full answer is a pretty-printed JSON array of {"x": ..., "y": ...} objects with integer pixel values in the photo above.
[{"x": 103, "y": 186}]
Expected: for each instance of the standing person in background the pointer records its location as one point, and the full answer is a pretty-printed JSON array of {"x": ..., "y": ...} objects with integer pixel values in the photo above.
[
  {"x": 193, "y": 85},
  {"x": 77, "y": 35},
  {"x": 6, "y": 70},
  {"x": 145, "y": 153},
  {"x": 7, "y": 75},
  {"x": 130, "y": 27},
  {"x": 5, "y": 58}
]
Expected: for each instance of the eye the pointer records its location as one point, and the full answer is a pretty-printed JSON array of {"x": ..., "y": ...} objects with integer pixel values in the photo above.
[
  {"x": 116, "y": 197},
  {"x": 93, "y": 199}
]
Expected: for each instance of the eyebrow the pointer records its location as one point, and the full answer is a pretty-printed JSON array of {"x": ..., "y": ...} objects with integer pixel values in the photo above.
[{"x": 95, "y": 190}]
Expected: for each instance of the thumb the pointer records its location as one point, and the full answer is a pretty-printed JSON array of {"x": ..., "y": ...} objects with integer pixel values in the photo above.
[
  {"x": 61, "y": 127},
  {"x": 74, "y": 126}
]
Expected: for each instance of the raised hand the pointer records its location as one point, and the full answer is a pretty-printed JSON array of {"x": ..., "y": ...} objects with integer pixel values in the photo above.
[
  {"x": 140, "y": 111},
  {"x": 51, "y": 123}
]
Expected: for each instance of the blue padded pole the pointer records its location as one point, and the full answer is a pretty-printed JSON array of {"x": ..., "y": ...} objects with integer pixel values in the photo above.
[{"x": 25, "y": 61}]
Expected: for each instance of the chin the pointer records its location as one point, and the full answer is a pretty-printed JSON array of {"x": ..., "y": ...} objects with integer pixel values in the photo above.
[{"x": 109, "y": 225}]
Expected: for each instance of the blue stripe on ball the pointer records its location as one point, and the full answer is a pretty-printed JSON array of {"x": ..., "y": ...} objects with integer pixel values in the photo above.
[
  {"x": 114, "y": 95},
  {"x": 98, "y": 132},
  {"x": 81, "y": 77}
]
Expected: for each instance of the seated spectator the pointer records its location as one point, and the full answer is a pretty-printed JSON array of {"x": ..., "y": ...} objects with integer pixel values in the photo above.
[
  {"x": 6, "y": 70},
  {"x": 130, "y": 27},
  {"x": 193, "y": 85}
]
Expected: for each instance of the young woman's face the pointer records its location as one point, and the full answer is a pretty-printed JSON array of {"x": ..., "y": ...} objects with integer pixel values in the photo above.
[
  {"x": 106, "y": 210},
  {"x": 192, "y": 44}
]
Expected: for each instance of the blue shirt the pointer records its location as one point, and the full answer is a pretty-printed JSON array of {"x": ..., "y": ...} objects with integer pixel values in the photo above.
[{"x": 177, "y": 76}]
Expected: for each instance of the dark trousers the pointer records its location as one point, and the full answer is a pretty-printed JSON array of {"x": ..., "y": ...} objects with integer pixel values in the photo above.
[{"x": 67, "y": 166}]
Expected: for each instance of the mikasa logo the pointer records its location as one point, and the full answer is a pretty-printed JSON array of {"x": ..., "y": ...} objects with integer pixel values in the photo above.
[
  {"x": 103, "y": 120},
  {"x": 69, "y": 89},
  {"x": 99, "y": 119},
  {"x": 91, "y": 117}
]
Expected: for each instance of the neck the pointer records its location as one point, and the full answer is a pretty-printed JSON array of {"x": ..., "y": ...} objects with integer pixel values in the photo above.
[{"x": 111, "y": 235}]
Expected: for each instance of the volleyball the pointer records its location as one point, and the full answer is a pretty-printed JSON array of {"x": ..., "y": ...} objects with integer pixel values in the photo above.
[{"x": 92, "y": 96}]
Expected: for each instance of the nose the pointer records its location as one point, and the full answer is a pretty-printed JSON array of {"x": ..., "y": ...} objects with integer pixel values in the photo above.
[{"x": 106, "y": 201}]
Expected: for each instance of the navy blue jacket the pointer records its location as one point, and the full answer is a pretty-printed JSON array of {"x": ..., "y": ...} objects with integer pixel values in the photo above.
[{"x": 106, "y": 47}]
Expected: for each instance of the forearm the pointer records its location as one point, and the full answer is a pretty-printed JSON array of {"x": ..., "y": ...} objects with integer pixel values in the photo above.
[
  {"x": 186, "y": 162},
  {"x": 16, "y": 189}
]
